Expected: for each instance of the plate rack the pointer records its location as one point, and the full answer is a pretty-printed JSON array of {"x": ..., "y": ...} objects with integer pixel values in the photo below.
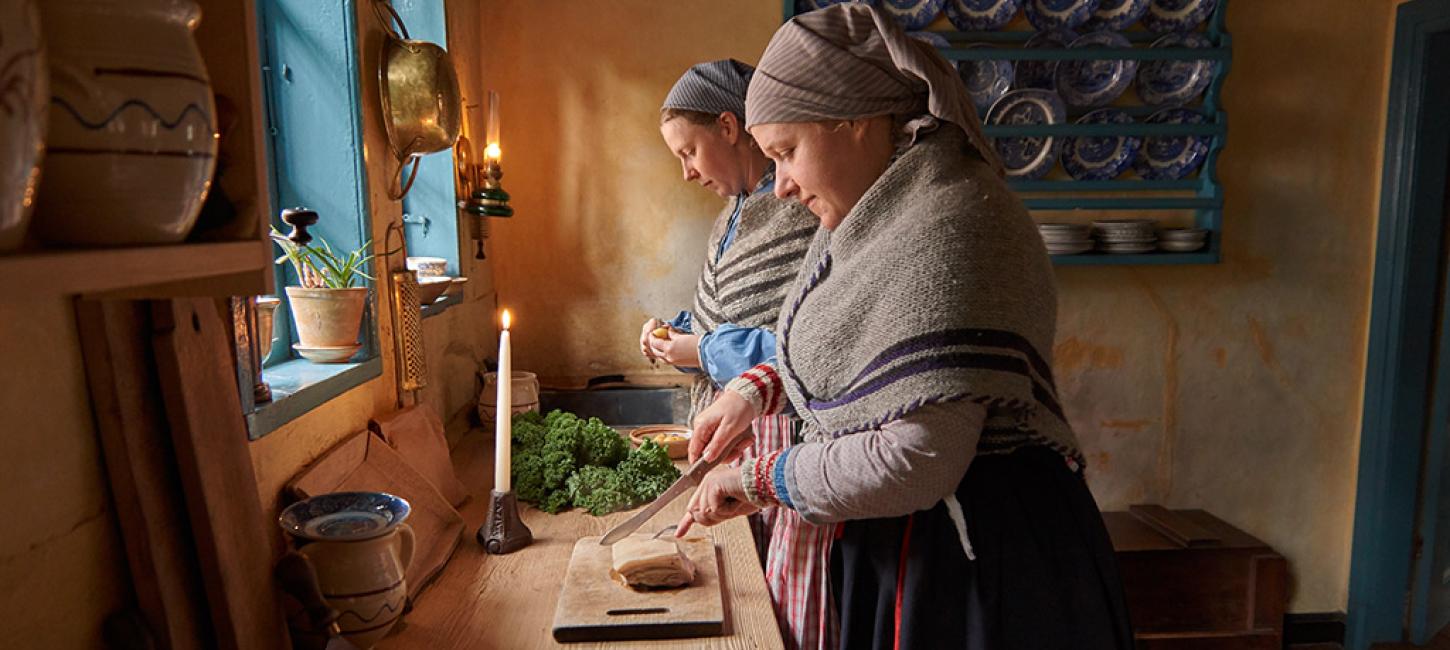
[{"x": 1128, "y": 196}]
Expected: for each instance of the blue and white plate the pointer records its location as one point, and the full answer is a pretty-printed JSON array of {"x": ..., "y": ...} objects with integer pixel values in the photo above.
[
  {"x": 1177, "y": 15},
  {"x": 344, "y": 516},
  {"x": 912, "y": 14},
  {"x": 1175, "y": 81},
  {"x": 1028, "y": 158},
  {"x": 937, "y": 41},
  {"x": 986, "y": 80},
  {"x": 1172, "y": 157},
  {"x": 981, "y": 15},
  {"x": 1089, "y": 84},
  {"x": 1059, "y": 14},
  {"x": 1115, "y": 15},
  {"x": 1040, "y": 74},
  {"x": 1100, "y": 158}
]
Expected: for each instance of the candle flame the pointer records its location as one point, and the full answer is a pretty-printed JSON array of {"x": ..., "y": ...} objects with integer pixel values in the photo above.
[
  {"x": 506, "y": 319},
  {"x": 492, "y": 151}
]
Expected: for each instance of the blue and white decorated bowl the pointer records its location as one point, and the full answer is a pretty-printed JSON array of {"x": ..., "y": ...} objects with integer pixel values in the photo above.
[
  {"x": 1177, "y": 15},
  {"x": 1100, "y": 158},
  {"x": 344, "y": 516},
  {"x": 1172, "y": 157},
  {"x": 1089, "y": 84},
  {"x": 1028, "y": 158},
  {"x": 1041, "y": 74},
  {"x": 1116, "y": 15},
  {"x": 981, "y": 15},
  {"x": 912, "y": 14},
  {"x": 986, "y": 80},
  {"x": 1059, "y": 14},
  {"x": 1175, "y": 81}
]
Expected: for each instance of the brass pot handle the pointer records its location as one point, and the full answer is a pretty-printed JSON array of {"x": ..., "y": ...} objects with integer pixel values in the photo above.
[
  {"x": 388, "y": 5},
  {"x": 403, "y": 191}
]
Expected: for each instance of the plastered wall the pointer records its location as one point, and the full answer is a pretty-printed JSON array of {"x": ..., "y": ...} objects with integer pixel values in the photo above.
[{"x": 1233, "y": 387}]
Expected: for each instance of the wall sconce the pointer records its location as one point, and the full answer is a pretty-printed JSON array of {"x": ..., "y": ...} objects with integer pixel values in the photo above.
[{"x": 490, "y": 199}]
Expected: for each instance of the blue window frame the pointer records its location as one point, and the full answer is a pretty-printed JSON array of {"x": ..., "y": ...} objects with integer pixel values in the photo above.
[
  {"x": 430, "y": 210},
  {"x": 311, "y": 77}
]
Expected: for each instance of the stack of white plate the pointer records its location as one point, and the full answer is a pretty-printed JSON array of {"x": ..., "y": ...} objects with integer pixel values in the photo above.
[
  {"x": 1125, "y": 235},
  {"x": 1066, "y": 238},
  {"x": 1182, "y": 240}
]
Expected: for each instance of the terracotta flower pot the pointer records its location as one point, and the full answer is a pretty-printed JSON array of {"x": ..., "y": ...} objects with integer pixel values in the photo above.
[{"x": 327, "y": 321}]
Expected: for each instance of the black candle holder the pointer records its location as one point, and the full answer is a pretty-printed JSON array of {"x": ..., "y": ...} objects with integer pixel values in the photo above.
[{"x": 503, "y": 531}]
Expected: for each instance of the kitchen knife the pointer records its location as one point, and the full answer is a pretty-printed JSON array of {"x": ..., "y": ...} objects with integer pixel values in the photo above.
[{"x": 691, "y": 478}]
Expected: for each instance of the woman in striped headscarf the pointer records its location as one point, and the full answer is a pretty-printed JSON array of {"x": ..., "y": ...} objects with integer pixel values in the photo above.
[
  {"x": 753, "y": 253},
  {"x": 916, "y": 347}
]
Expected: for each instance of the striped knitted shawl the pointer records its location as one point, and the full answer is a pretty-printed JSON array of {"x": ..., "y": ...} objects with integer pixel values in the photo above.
[
  {"x": 936, "y": 287},
  {"x": 747, "y": 285}
]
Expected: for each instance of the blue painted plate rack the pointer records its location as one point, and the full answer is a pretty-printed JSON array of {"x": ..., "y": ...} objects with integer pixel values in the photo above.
[{"x": 1127, "y": 196}]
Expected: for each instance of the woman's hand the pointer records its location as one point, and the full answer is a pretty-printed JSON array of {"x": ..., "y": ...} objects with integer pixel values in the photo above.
[
  {"x": 645, "y": 334},
  {"x": 717, "y": 429},
  {"x": 680, "y": 350},
  {"x": 720, "y": 497}
]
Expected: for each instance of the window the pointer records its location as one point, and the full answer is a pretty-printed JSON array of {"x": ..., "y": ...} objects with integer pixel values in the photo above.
[
  {"x": 430, "y": 210},
  {"x": 310, "y": 73}
]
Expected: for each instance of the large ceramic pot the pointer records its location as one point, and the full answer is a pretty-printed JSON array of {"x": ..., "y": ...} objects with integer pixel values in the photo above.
[
  {"x": 132, "y": 141},
  {"x": 358, "y": 548},
  {"x": 24, "y": 91}
]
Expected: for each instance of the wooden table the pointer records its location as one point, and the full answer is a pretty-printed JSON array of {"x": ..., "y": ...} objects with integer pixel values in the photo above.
[{"x": 507, "y": 601}]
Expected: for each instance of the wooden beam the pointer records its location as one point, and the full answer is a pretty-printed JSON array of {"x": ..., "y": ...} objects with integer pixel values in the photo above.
[{"x": 194, "y": 362}]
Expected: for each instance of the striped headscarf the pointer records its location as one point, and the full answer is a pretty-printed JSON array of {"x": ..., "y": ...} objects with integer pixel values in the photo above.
[
  {"x": 851, "y": 61},
  {"x": 713, "y": 87}
]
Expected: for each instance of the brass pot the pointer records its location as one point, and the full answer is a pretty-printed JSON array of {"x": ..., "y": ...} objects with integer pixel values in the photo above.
[{"x": 422, "y": 106}]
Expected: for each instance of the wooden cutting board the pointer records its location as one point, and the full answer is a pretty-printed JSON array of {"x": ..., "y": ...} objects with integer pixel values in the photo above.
[{"x": 595, "y": 607}]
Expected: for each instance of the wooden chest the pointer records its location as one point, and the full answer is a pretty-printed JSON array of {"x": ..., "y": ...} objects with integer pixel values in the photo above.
[{"x": 1195, "y": 582}]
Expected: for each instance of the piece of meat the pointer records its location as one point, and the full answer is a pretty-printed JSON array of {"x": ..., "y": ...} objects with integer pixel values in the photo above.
[{"x": 644, "y": 563}]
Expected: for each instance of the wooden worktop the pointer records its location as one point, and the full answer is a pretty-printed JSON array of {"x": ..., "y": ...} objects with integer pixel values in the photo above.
[{"x": 507, "y": 601}]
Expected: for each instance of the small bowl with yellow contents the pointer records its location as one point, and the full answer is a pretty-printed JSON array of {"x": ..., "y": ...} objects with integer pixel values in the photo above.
[{"x": 675, "y": 438}]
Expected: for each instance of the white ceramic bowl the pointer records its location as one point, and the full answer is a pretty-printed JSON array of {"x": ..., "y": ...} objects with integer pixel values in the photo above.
[{"x": 428, "y": 267}]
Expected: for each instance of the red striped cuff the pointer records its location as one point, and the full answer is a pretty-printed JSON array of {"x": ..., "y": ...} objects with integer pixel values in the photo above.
[{"x": 761, "y": 387}]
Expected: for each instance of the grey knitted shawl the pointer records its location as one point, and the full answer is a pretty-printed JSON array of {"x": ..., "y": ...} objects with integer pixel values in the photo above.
[
  {"x": 747, "y": 285},
  {"x": 935, "y": 287}
]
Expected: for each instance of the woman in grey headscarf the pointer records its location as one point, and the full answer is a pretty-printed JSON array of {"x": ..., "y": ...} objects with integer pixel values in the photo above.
[
  {"x": 916, "y": 347},
  {"x": 753, "y": 253}
]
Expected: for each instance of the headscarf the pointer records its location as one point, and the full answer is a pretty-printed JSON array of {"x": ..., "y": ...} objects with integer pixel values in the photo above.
[
  {"x": 850, "y": 61},
  {"x": 713, "y": 87}
]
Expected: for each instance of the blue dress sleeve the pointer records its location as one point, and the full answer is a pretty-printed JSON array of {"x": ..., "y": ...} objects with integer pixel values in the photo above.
[
  {"x": 683, "y": 322},
  {"x": 731, "y": 350}
]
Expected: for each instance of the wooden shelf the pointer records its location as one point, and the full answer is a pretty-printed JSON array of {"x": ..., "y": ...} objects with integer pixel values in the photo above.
[{"x": 140, "y": 272}]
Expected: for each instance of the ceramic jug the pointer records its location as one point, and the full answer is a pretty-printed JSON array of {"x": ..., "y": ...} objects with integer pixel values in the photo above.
[
  {"x": 132, "y": 140},
  {"x": 24, "y": 92},
  {"x": 363, "y": 582}
]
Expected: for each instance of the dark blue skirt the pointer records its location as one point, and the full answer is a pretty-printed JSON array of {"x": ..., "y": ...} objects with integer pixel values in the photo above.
[{"x": 1044, "y": 579}]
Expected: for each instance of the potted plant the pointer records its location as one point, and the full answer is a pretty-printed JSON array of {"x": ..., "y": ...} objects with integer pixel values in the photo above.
[{"x": 327, "y": 309}]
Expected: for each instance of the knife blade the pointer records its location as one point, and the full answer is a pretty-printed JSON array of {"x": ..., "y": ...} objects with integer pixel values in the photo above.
[{"x": 689, "y": 479}]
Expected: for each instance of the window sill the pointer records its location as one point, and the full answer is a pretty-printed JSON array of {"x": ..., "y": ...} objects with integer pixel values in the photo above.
[
  {"x": 442, "y": 304},
  {"x": 298, "y": 386}
]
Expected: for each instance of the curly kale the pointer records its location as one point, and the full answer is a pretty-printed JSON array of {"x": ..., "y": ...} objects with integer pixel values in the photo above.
[
  {"x": 561, "y": 460},
  {"x": 648, "y": 471},
  {"x": 600, "y": 490},
  {"x": 601, "y": 445}
]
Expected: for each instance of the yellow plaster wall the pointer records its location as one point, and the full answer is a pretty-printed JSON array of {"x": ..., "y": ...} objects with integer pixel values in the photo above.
[{"x": 1234, "y": 387}]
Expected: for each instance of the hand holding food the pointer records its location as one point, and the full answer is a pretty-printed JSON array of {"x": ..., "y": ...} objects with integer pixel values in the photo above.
[{"x": 680, "y": 350}]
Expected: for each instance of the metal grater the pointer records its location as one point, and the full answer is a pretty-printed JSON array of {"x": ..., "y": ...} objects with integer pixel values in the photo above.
[{"x": 408, "y": 332}]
